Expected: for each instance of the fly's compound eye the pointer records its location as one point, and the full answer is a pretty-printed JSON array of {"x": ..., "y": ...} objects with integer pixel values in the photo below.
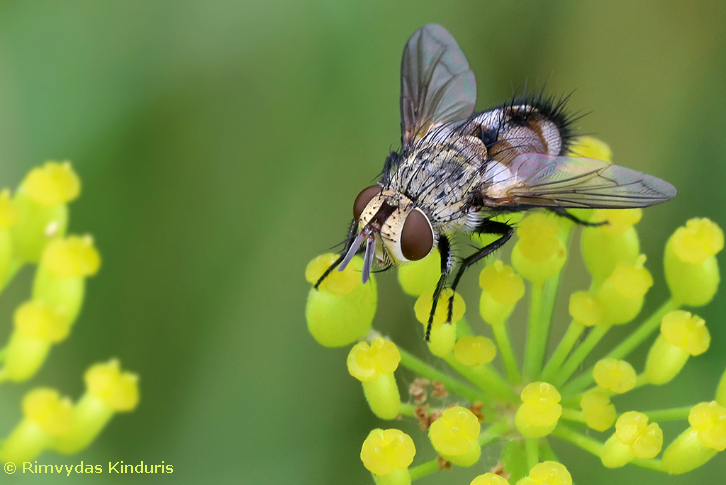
[
  {"x": 363, "y": 198},
  {"x": 417, "y": 236}
]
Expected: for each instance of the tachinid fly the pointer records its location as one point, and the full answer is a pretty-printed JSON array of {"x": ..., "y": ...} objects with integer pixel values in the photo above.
[{"x": 457, "y": 169}]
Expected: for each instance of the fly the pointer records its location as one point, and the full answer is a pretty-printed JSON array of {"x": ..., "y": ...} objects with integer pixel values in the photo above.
[{"x": 457, "y": 169}]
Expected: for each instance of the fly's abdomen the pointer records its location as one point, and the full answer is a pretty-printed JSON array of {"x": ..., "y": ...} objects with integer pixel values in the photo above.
[{"x": 534, "y": 126}]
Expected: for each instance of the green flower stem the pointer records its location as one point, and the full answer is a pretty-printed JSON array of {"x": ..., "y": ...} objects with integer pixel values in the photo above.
[
  {"x": 423, "y": 369},
  {"x": 644, "y": 331},
  {"x": 649, "y": 464},
  {"x": 425, "y": 468},
  {"x": 13, "y": 269},
  {"x": 578, "y": 439},
  {"x": 463, "y": 328},
  {"x": 534, "y": 332},
  {"x": 627, "y": 346},
  {"x": 493, "y": 432},
  {"x": 669, "y": 414},
  {"x": 505, "y": 350},
  {"x": 531, "y": 447},
  {"x": 573, "y": 415},
  {"x": 549, "y": 296},
  {"x": 406, "y": 409},
  {"x": 485, "y": 378},
  {"x": 546, "y": 451},
  {"x": 575, "y": 360},
  {"x": 562, "y": 351}
]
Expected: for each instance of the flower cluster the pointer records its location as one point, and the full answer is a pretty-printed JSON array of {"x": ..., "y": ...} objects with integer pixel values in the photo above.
[
  {"x": 545, "y": 397},
  {"x": 33, "y": 225}
]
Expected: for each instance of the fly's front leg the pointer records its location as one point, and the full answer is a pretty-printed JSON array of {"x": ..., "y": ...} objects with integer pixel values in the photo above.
[
  {"x": 563, "y": 213},
  {"x": 445, "y": 253},
  {"x": 348, "y": 244},
  {"x": 486, "y": 227}
]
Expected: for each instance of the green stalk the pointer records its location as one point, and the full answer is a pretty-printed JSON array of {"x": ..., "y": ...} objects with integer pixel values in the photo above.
[
  {"x": 649, "y": 464},
  {"x": 573, "y": 415},
  {"x": 627, "y": 345},
  {"x": 493, "y": 432},
  {"x": 406, "y": 409},
  {"x": 531, "y": 447},
  {"x": 578, "y": 439},
  {"x": 423, "y": 369},
  {"x": 485, "y": 378},
  {"x": 669, "y": 414},
  {"x": 562, "y": 351},
  {"x": 644, "y": 331},
  {"x": 575, "y": 360},
  {"x": 534, "y": 331},
  {"x": 425, "y": 468},
  {"x": 546, "y": 451},
  {"x": 505, "y": 350},
  {"x": 549, "y": 297}
]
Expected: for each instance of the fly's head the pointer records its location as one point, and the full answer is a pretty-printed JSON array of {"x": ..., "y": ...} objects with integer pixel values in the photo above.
[{"x": 392, "y": 227}]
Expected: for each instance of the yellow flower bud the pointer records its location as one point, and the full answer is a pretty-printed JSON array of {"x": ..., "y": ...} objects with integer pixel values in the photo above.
[
  {"x": 501, "y": 288},
  {"x": 699, "y": 443},
  {"x": 614, "y": 375},
  {"x": 605, "y": 246},
  {"x": 454, "y": 436},
  {"x": 489, "y": 479},
  {"x": 540, "y": 253},
  {"x": 373, "y": 365},
  {"x": 598, "y": 410},
  {"x": 386, "y": 451},
  {"x": 60, "y": 279},
  {"x": 341, "y": 311},
  {"x": 585, "y": 309},
  {"x": 47, "y": 416},
  {"x": 443, "y": 335},
  {"x": 108, "y": 391},
  {"x": 690, "y": 264},
  {"x": 590, "y": 147},
  {"x": 622, "y": 294},
  {"x": 72, "y": 257},
  {"x": 420, "y": 276},
  {"x": 547, "y": 473},
  {"x": 52, "y": 184},
  {"x": 41, "y": 202},
  {"x": 682, "y": 335},
  {"x": 633, "y": 437},
  {"x": 8, "y": 213},
  {"x": 540, "y": 411},
  {"x": 37, "y": 327},
  {"x": 471, "y": 350}
]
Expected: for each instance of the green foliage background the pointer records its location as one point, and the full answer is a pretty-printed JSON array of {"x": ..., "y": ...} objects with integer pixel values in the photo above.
[{"x": 221, "y": 145}]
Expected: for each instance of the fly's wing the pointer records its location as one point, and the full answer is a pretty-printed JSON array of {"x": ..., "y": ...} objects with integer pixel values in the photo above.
[
  {"x": 569, "y": 182},
  {"x": 436, "y": 84}
]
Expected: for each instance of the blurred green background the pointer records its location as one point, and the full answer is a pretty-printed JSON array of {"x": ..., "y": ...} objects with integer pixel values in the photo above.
[{"x": 221, "y": 145}]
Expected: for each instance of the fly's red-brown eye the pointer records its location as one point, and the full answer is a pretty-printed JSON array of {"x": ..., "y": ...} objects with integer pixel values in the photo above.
[
  {"x": 363, "y": 198},
  {"x": 417, "y": 238}
]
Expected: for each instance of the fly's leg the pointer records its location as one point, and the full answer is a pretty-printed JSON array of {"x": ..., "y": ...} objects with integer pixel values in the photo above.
[
  {"x": 563, "y": 213},
  {"x": 445, "y": 252},
  {"x": 486, "y": 227},
  {"x": 348, "y": 244}
]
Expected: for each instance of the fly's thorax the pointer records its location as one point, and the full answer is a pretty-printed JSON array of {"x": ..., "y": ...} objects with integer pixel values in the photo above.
[{"x": 404, "y": 230}]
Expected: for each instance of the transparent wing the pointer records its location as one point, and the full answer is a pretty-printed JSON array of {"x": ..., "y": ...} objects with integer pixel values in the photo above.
[
  {"x": 436, "y": 83},
  {"x": 569, "y": 182}
]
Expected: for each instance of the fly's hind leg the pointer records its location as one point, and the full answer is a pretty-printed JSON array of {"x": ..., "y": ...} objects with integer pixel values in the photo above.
[
  {"x": 444, "y": 248},
  {"x": 563, "y": 213},
  {"x": 487, "y": 226}
]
